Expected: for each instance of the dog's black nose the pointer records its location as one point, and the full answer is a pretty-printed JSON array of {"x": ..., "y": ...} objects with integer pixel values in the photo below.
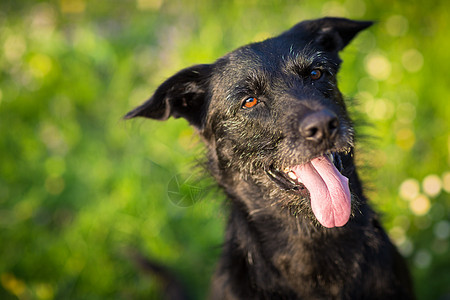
[{"x": 319, "y": 125}]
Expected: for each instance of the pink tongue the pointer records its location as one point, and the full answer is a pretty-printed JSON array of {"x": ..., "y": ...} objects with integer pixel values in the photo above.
[{"x": 329, "y": 191}]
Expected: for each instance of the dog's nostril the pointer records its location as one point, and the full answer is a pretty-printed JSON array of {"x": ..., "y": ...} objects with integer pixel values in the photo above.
[
  {"x": 311, "y": 131},
  {"x": 333, "y": 125},
  {"x": 319, "y": 125}
]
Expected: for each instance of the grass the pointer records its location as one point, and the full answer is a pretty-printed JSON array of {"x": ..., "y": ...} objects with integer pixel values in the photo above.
[{"x": 80, "y": 188}]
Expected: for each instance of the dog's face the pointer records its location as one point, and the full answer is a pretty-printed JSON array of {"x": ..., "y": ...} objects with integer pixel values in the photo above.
[{"x": 273, "y": 118}]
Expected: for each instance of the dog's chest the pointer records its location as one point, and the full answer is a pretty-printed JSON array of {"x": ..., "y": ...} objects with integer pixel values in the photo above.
[{"x": 316, "y": 264}]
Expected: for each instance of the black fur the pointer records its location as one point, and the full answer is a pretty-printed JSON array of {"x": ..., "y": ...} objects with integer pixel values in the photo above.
[{"x": 275, "y": 248}]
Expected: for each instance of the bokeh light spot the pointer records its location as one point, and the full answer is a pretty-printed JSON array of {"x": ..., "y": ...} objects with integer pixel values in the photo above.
[
  {"x": 378, "y": 66},
  {"x": 149, "y": 4},
  {"x": 54, "y": 185},
  {"x": 406, "y": 248},
  {"x": 412, "y": 60},
  {"x": 356, "y": 8},
  {"x": 406, "y": 112},
  {"x": 422, "y": 259},
  {"x": 44, "y": 291},
  {"x": 442, "y": 230},
  {"x": 446, "y": 182},
  {"x": 409, "y": 189},
  {"x": 42, "y": 20},
  {"x": 432, "y": 185},
  {"x": 75, "y": 264},
  {"x": 40, "y": 65},
  {"x": 379, "y": 109},
  {"x": 397, "y": 234},
  {"x": 397, "y": 25},
  {"x": 333, "y": 8},
  {"x": 53, "y": 138},
  {"x": 420, "y": 205},
  {"x": 72, "y": 6},
  {"x": 23, "y": 210},
  {"x": 405, "y": 138},
  {"x": 13, "y": 284},
  {"x": 14, "y": 47}
]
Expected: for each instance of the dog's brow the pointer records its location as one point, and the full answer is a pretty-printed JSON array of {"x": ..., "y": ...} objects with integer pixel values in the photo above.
[
  {"x": 255, "y": 83},
  {"x": 306, "y": 58}
]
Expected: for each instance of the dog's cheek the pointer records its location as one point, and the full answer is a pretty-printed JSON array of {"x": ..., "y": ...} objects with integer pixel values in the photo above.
[
  {"x": 225, "y": 152},
  {"x": 337, "y": 96},
  {"x": 247, "y": 143}
]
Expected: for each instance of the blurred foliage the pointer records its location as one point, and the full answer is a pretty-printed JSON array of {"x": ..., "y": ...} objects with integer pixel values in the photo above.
[{"x": 80, "y": 188}]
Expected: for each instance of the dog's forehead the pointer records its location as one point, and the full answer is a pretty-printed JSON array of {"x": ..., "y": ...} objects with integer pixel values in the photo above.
[
  {"x": 269, "y": 61},
  {"x": 269, "y": 53},
  {"x": 275, "y": 54}
]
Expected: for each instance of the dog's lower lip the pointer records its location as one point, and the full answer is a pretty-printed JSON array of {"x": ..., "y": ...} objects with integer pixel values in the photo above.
[{"x": 285, "y": 181}]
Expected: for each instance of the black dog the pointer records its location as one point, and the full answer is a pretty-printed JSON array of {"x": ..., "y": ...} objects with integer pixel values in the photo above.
[{"x": 280, "y": 144}]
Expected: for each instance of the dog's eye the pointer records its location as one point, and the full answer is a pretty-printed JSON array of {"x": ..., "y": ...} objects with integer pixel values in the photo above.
[
  {"x": 250, "y": 102},
  {"x": 315, "y": 74}
]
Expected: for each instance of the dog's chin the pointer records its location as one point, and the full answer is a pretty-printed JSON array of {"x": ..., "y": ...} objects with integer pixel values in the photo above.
[{"x": 320, "y": 183}]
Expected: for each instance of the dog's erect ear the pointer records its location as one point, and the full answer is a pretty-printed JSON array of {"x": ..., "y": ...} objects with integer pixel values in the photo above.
[
  {"x": 182, "y": 95},
  {"x": 331, "y": 34}
]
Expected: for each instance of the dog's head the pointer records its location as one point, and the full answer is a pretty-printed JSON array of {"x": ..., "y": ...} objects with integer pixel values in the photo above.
[{"x": 272, "y": 117}]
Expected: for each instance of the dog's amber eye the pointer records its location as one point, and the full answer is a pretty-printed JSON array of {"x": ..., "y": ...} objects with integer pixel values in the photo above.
[
  {"x": 250, "y": 102},
  {"x": 315, "y": 74}
]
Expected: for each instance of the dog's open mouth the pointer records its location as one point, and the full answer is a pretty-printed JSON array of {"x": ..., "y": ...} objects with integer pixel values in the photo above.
[{"x": 328, "y": 189}]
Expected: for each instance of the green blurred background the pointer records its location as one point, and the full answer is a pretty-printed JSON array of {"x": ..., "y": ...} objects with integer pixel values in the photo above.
[{"x": 80, "y": 188}]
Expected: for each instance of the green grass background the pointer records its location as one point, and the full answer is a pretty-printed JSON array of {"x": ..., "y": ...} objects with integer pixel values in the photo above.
[{"x": 80, "y": 188}]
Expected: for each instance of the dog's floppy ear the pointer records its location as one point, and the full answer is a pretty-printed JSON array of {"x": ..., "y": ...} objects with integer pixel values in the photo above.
[
  {"x": 182, "y": 95},
  {"x": 332, "y": 34}
]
